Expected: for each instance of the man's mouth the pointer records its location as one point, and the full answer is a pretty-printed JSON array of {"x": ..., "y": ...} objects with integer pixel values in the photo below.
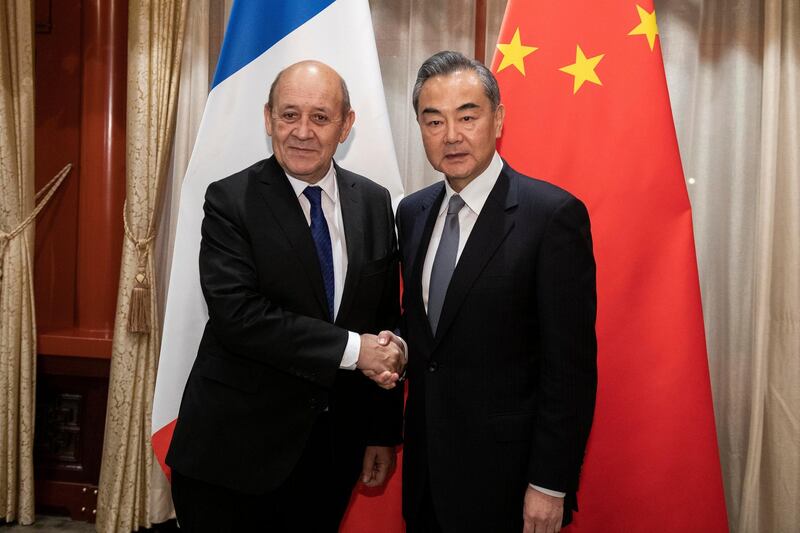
[{"x": 302, "y": 149}]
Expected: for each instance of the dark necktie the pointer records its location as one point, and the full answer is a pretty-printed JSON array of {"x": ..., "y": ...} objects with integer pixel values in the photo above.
[
  {"x": 322, "y": 241},
  {"x": 444, "y": 263}
]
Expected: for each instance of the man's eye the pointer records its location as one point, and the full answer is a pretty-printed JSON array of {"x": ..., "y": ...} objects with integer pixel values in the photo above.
[
  {"x": 468, "y": 118},
  {"x": 289, "y": 116},
  {"x": 434, "y": 123},
  {"x": 320, "y": 118}
]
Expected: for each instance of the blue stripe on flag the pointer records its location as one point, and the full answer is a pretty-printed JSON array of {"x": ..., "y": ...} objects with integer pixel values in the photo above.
[{"x": 256, "y": 25}]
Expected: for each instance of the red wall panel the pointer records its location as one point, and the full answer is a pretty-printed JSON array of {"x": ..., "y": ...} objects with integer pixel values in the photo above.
[{"x": 81, "y": 71}]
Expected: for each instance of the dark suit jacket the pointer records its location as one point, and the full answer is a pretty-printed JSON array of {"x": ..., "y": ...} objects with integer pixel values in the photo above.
[
  {"x": 504, "y": 394},
  {"x": 268, "y": 361}
]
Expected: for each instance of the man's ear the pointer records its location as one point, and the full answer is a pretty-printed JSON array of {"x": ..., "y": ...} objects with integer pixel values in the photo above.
[
  {"x": 499, "y": 117},
  {"x": 267, "y": 116},
  {"x": 347, "y": 124}
]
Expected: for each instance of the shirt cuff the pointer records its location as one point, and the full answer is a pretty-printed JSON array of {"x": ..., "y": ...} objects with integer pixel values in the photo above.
[
  {"x": 553, "y": 493},
  {"x": 350, "y": 356}
]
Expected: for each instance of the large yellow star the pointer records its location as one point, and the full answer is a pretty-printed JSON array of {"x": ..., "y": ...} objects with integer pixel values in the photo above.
[
  {"x": 647, "y": 26},
  {"x": 514, "y": 53},
  {"x": 583, "y": 69}
]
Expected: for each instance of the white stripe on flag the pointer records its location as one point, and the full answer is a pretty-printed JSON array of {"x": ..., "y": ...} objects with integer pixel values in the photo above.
[{"x": 232, "y": 137}]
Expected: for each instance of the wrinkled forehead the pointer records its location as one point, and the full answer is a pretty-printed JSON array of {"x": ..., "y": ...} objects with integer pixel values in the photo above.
[{"x": 309, "y": 88}]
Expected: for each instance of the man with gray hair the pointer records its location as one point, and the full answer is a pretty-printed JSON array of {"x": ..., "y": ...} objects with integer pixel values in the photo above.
[
  {"x": 499, "y": 312},
  {"x": 298, "y": 266}
]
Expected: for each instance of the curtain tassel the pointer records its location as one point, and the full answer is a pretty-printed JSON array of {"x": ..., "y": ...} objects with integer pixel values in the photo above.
[
  {"x": 139, "y": 309},
  {"x": 139, "y": 304}
]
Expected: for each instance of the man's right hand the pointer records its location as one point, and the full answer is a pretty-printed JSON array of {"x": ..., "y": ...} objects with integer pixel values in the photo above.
[{"x": 381, "y": 363}]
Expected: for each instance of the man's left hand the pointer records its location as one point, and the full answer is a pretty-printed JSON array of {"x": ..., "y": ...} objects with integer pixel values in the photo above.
[
  {"x": 542, "y": 513},
  {"x": 378, "y": 462}
]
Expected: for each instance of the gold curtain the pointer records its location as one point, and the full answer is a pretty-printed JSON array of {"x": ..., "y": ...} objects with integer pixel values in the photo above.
[
  {"x": 203, "y": 33},
  {"x": 17, "y": 320},
  {"x": 155, "y": 43}
]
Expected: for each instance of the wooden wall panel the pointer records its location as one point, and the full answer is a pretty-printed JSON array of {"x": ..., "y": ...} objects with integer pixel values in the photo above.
[
  {"x": 57, "y": 142},
  {"x": 102, "y": 191},
  {"x": 71, "y": 396},
  {"x": 81, "y": 71}
]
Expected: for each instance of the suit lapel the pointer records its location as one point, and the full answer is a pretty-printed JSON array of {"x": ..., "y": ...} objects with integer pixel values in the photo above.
[
  {"x": 490, "y": 230},
  {"x": 423, "y": 228},
  {"x": 352, "y": 218},
  {"x": 279, "y": 196}
]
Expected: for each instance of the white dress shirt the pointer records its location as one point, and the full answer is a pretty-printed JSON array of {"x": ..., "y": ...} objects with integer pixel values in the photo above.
[
  {"x": 332, "y": 209},
  {"x": 474, "y": 195}
]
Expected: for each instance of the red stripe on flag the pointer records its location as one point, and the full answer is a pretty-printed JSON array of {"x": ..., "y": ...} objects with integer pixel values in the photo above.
[
  {"x": 160, "y": 441},
  {"x": 376, "y": 509}
]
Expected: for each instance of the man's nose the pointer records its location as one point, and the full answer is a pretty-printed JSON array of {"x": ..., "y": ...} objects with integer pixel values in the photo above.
[
  {"x": 303, "y": 128},
  {"x": 452, "y": 134}
]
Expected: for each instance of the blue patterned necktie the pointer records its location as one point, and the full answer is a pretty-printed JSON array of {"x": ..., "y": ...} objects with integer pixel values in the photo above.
[{"x": 322, "y": 241}]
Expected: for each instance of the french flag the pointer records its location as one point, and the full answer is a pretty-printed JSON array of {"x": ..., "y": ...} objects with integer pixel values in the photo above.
[{"x": 262, "y": 38}]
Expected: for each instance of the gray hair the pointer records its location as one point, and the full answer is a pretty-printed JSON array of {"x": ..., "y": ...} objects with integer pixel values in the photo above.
[
  {"x": 345, "y": 93},
  {"x": 448, "y": 62}
]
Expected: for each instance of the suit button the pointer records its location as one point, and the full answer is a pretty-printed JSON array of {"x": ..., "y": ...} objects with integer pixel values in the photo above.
[
  {"x": 433, "y": 366},
  {"x": 313, "y": 403}
]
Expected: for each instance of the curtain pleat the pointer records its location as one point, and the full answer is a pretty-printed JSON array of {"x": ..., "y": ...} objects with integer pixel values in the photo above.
[
  {"x": 771, "y": 485},
  {"x": 733, "y": 72},
  {"x": 195, "y": 76},
  {"x": 155, "y": 45},
  {"x": 17, "y": 317}
]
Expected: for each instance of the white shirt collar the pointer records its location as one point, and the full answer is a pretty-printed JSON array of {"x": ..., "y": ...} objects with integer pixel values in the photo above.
[
  {"x": 327, "y": 184},
  {"x": 477, "y": 191}
]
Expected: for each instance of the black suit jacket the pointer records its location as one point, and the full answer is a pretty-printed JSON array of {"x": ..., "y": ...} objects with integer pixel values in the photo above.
[
  {"x": 268, "y": 362},
  {"x": 504, "y": 394}
]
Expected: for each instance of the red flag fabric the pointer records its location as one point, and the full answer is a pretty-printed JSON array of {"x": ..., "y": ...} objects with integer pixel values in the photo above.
[{"x": 588, "y": 109}]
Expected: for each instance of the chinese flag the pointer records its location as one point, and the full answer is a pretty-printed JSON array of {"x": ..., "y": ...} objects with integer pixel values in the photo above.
[{"x": 587, "y": 109}]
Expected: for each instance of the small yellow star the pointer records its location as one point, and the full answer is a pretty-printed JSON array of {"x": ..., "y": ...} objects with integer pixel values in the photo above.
[
  {"x": 647, "y": 26},
  {"x": 583, "y": 69},
  {"x": 514, "y": 53}
]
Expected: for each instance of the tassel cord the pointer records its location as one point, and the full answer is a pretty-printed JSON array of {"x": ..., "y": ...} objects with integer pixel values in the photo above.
[
  {"x": 139, "y": 319},
  {"x": 45, "y": 194}
]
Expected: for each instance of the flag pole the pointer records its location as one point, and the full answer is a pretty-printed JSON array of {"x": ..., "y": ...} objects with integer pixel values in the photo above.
[{"x": 480, "y": 30}]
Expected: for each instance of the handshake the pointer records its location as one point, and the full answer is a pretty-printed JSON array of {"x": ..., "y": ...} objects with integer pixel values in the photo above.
[{"x": 382, "y": 358}]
